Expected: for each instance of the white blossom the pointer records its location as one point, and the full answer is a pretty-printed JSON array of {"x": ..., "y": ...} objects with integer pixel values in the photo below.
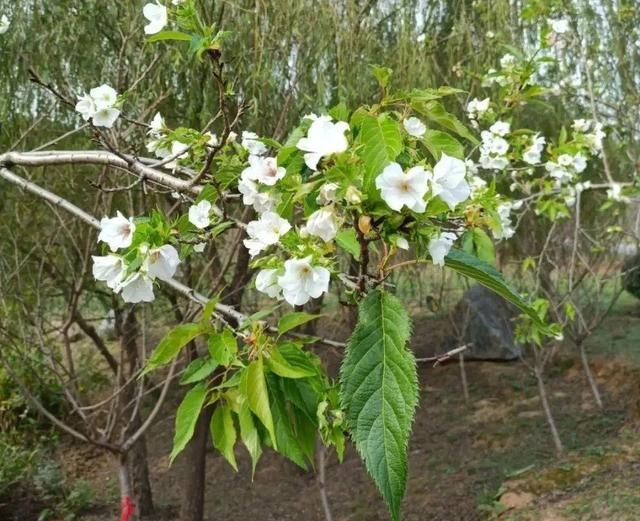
[
  {"x": 105, "y": 117},
  {"x": 157, "y": 126},
  {"x": 161, "y": 262},
  {"x": 322, "y": 223},
  {"x": 264, "y": 170},
  {"x": 261, "y": 202},
  {"x": 448, "y": 181},
  {"x": 212, "y": 140},
  {"x": 138, "y": 287},
  {"x": 477, "y": 185},
  {"x": 199, "y": 247},
  {"x": 532, "y": 154},
  {"x": 353, "y": 195},
  {"x": 500, "y": 128},
  {"x": 4, "y": 23},
  {"x": 267, "y": 282},
  {"x": 399, "y": 189},
  {"x": 327, "y": 193},
  {"x": 615, "y": 193},
  {"x": 402, "y": 243},
  {"x": 440, "y": 246},
  {"x": 581, "y": 125},
  {"x": 156, "y": 14},
  {"x": 302, "y": 281},
  {"x": 579, "y": 163},
  {"x": 558, "y": 172},
  {"x": 265, "y": 232},
  {"x": 477, "y": 107},
  {"x": 199, "y": 214},
  {"x": 507, "y": 61},
  {"x": 594, "y": 140},
  {"x": 86, "y": 107},
  {"x": 110, "y": 269},
  {"x": 323, "y": 139},
  {"x": 414, "y": 127},
  {"x": 252, "y": 145},
  {"x": 504, "y": 212},
  {"x": 565, "y": 160},
  {"x": 104, "y": 96},
  {"x": 117, "y": 231}
]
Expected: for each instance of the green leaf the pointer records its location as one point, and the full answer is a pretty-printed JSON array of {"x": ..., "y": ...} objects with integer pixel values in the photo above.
[
  {"x": 223, "y": 347},
  {"x": 382, "y": 142},
  {"x": 292, "y": 320},
  {"x": 198, "y": 370},
  {"x": 254, "y": 387},
  {"x": 186, "y": 418},
  {"x": 348, "y": 241},
  {"x": 438, "y": 142},
  {"x": 483, "y": 246},
  {"x": 223, "y": 434},
  {"x": 435, "y": 111},
  {"x": 257, "y": 316},
  {"x": 170, "y": 35},
  {"x": 382, "y": 75},
  {"x": 472, "y": 267},
  {"x": 249, "y": 435},
  {"x": 379, "y": 392},
  {"x": 297, "y": 367},
  {"x": 171, "y": 344}
]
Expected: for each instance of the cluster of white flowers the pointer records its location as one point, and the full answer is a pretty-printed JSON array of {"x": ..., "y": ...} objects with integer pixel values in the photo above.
[
  {"x": 300, "y": 282},
  {"x": 494, "y": 147},
  {"x": 252, "y": 144},
  {"x": 99, "y": 106},
  {"x": 161, "y": 262},
  {"x": 414, "y": 127},
  {"x": 565, "y": 168},
  {"x": 504, "y": 212},
  {"x": 4, "y": 23},
  {"x": 447, "y": 181},
  {"x": 476, "y": 109},
  {"x": 175, "y": 149},
  {"x": 532, "y": 154},
  {"x": 324, "y": 138}
]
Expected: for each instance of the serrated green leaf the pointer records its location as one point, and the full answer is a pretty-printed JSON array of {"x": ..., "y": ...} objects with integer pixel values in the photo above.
[
  {"x": 435, "y": 111},
  {"x": 198, "y": 370},
  {"x": 472, "y": 267},
  {"x": 254, "y": 387},
  {"x": 170, "y": 35},
  {"x": 438, "y": 142},
  {"x": 382, "y": 142},
  {"x": 171, "y": 344},
  {"x": 186, "y": 418},
  {"x": 223, "y": 434},
  {"x": 348, "y": 241},
  {"x": 290, "y": 366},
  {"x": 292, "y": 320},
  {"x": 223, "y": 347},
  {"x": 249, "y": 435},
  {"x": 379, "y": 392}
]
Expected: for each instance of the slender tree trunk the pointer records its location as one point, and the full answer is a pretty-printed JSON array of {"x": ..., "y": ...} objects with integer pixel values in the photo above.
[
  {"x": 587, "y": 371},
  {"x": 137, "y": 457},
  {"x": 463, "y": 377},
  {"x": 127, "y": 505},
  {"x": 194, "y": 469},
  {"x": 547, "y": 411}
]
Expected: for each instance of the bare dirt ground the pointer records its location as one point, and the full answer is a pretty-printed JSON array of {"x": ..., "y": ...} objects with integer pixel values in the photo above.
[{"x": 490, "y": 458}]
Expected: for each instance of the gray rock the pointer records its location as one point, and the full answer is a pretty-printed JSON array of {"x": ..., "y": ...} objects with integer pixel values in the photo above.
[{"x": 485, "y": 321}]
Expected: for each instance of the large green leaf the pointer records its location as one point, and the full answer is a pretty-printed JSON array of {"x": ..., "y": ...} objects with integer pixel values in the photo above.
[
  {"x": 249, "y": 434},
  {"x": 186, "y": 418},
  {"x": 470, "y": 266},
  {"x": 379, "y": 392},
  {"x": 438, "y": 142},
  {"x": 435, "y": 111},
  {"x": 172, "y": 343},
  {"x": 254, "y": 387},
  {"x": 294, "y": 319},
  {"x": 382, "y": 142},
  {"x": 223, "y": 433}
]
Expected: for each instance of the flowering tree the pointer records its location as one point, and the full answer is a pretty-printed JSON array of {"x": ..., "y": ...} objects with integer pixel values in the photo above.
[{"x": 363, "y": 184}]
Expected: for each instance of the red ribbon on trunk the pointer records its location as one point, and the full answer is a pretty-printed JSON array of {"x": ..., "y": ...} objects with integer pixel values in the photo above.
[{"x": 126, "y": 508}]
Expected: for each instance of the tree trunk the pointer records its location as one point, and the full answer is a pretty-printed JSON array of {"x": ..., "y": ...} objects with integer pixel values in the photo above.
[
  {"x": 137, "y": 461},
  {"x": 194, "y": 471},
  {"x": 547, "y": 411},
  {"x": 587, "y": 370}
]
